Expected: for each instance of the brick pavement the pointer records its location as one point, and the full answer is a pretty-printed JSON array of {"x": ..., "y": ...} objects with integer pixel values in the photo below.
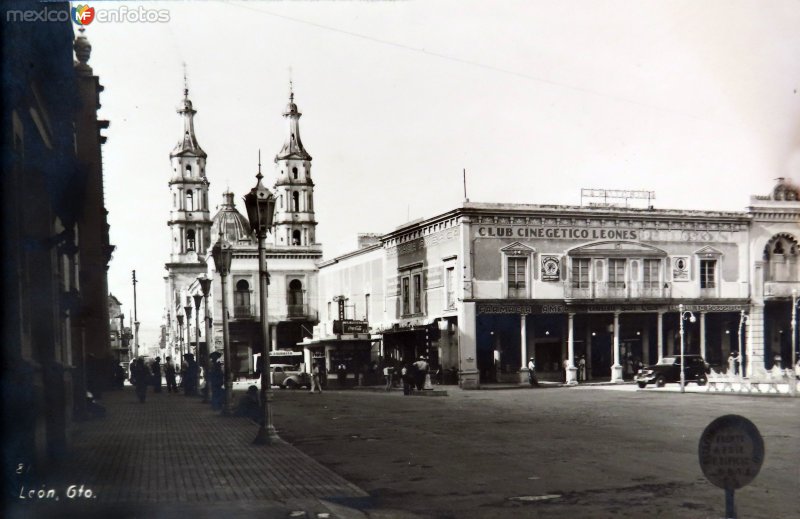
[{"x": 173, "y": 457}]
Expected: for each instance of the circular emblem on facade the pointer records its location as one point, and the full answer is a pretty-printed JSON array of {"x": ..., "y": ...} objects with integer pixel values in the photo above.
[
  {"x": 680, "y": 264},
  {"x": 731, "y": 451},
  {"x": 550, "y": 266}
]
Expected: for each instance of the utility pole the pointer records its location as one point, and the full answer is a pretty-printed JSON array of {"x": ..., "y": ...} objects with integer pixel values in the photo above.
[{"x": 135, "y": 319}]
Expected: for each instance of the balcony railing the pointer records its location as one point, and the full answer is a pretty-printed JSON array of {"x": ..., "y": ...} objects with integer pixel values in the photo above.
[
  {"x": 617, "y": 290},
  {"x": 243, "y": 311},
  {"x": 295, "y": 311}
]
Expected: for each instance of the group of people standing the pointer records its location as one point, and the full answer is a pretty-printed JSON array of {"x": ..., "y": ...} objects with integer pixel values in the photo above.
[{"x": 145, "y": 374}]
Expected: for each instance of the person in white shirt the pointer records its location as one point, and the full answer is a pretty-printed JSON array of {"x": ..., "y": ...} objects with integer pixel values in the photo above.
[
  {"x": 532, "y": 372},
  {"x": 388, "y": 371}
]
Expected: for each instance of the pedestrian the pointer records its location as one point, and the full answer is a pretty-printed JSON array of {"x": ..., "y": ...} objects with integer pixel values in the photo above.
[
  {"x": 387, "y": 375},
  {"x": 157, "y": 375},
  {"x": 778, "y": 362},
  {"x": 421, "y": 369},
  {"x": 532, "y": 372},
  {"x": 215, "y": 381},
  {"x": 190, "y": 375},
  {"x": 566, "y": 364},
  {"x": 582, "y": 369},
  {"x": 406, "y": 376},
  {"x": 341, "y": 374},
  {"x": 732, "y": 363},
  {"x": 249, "y": 406},
  {"x": 119, "y": 376},
  {"x": 140, "y": 377},
  {"x": 169, "y": 374},
  {"x": 316, "y": 371}
]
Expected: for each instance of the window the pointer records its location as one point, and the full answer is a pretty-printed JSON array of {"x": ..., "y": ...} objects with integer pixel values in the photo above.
[
  {"x": 580, "y": 273},
  {"x": 190, "y": 239},
  {"x": 295, "y": 237},
  {"x": 295, "y": 292},
  {"x": 650, "y": 273},
  {"x": 517, "y": 267},
  {"x": 708, "y": 273},
  {"x": 294, "y": 172},
  {"x": 295, "y": 201},
  {"x": 450, "y": 286},
  {"x": 417, "y": 293},
  {"x": 189, "y": 200},
  {"x": 241, "y": 299},
  {"x": 405, "y": 294},
  {"x": 174, "y": 200},
  {"x": 616, "y": 273},
  {"x": 329, "y": 310},
  {"x": 366, "y": 307},
  {"x": 281, "y": 200}
]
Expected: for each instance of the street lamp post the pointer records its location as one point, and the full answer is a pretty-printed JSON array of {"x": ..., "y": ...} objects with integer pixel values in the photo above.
[
  {"x": 260, "y": 204},
  {"x": 197, "y": 299},
  {"x": 205, "y": 286},
  {"x": 223, "y": 254},
  {"x": 180, "y": 336},
  {"x": 188, "y": 310},
  {"x": 792, "y": 372},
  {"x": 683, "y": 316},
  {"x": 743, "y": 320}
]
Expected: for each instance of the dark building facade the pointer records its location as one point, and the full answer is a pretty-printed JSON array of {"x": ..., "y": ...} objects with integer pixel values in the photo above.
[{"x": 56, "y": 246}]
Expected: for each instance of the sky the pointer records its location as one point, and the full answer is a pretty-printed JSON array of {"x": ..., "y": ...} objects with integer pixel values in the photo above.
[{"x": 697, "y": 101}]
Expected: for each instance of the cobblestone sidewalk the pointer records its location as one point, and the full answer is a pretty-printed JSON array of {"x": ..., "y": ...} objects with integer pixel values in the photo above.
[{"x": 174, "y": 457}]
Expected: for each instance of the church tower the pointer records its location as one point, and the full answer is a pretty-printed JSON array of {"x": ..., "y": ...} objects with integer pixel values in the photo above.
[
  {"x": 294, "y": 223},
  {"x": 189, "y": 219}
]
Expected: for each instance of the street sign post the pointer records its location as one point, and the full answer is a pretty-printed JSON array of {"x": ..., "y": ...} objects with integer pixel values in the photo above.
[{"x": 731, "y": 452}]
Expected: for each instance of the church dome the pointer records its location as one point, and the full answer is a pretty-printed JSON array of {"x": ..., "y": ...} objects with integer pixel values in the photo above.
[{"x": 235, "y": 227}]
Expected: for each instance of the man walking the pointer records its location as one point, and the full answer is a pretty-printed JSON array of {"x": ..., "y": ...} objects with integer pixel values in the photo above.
[
  {"x": 315, "y": 376},
  {"x": 157, "y": 375},
  {"x": 388, "y": 371},
  {"x": 140, "y": 375},
  {"x": 169, "y": 374}
]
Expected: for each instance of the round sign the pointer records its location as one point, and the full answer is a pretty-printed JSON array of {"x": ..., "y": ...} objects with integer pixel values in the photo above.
[{"x": 731, "y": 451}]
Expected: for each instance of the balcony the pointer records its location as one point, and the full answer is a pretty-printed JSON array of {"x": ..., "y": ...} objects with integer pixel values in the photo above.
[
  {"x": 297, "y": 311},
  {"x": 780, "y": 289},
  {"x": 618, "y": 290},
  {"x": 243, "y": 311}
]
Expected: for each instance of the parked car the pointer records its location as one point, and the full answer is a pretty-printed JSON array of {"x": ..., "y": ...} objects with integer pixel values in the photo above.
[
  {"x": 669, "y": 370},
  {"x": 289, "y": 376}
]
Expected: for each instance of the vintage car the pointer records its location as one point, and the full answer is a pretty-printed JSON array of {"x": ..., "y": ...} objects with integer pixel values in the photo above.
[
  {"x": 288, "y": 376},
  {"x": 669, "y": 370}
]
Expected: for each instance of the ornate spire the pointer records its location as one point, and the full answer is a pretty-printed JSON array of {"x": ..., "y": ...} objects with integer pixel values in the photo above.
[
  {"x": 293, "y": 147},
  {"x": 83, "y": 51},
  {"x": 188, "y": 144}
]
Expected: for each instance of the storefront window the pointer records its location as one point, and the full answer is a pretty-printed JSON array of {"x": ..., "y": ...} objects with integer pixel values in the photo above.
[
  {"x": 616, "y": 273},
  {"x": 650, "y": 276}
]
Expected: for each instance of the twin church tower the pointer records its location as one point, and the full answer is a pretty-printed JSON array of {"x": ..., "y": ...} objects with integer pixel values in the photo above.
[{"x": 292, "y": 250}]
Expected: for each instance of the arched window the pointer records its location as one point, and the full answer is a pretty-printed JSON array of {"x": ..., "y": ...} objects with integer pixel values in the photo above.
[
  {"x": 294, "y": 298},
  {"x": 188, "y": 169},
  {"x": 295, "y": 237},
  {"x": 189, "y": 200},
  {"x": 241, "y": 299},
  {"x": 174, "y": 200},
  {"x": 294, "y": 172},
  {"x": 295, "y": 201},
  {"x": 782, "y": 258},
  {"x": 281, "y": 199},
  {"x": 190, "y": 239}
]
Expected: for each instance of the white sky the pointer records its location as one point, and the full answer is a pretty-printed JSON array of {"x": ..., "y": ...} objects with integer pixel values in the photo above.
[{"x": 697, "y": 101}]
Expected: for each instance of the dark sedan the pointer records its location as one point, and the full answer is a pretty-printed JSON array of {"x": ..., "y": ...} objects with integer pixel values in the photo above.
[{"x": 668, "y": 369}]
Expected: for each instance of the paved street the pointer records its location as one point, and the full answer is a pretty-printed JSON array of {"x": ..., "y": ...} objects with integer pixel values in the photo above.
[
  {"x": 175, "y": 457},
  {"x": 564, "y": 452}
]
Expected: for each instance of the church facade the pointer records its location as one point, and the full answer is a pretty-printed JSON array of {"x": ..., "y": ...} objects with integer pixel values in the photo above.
[{"x": 292, "y": 256}]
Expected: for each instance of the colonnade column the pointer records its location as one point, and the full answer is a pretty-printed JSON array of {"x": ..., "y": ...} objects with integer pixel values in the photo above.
[
  {"x": 703, "y": 334},
  {"x": 523, "y": 348},
  {"x": 572, "y": 371},
  {"x": 660, "y": 335},
  {"x": 616, "y": 369}
]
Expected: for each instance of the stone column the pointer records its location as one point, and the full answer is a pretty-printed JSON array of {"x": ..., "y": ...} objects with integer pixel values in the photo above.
[
  {"x": 616, "y": 369},
  {"x": 660, "y": 334},
  {"x": 755, "y": 340},
  {"x": 467, "y": 340},
  {"x": 572, "y": 371},
  {"x": 703, "y": 334},
  {"x": 523, "y": 349}
]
